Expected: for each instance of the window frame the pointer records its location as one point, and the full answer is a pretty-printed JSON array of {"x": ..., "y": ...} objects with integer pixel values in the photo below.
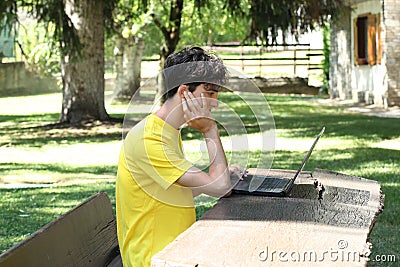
[{"x": 367, "y": 51}]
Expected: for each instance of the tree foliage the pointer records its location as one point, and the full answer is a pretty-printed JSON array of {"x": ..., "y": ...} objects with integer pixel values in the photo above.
[
  {"x": 8, "y": 13},
  {"x": 60, "y": 30},
  {"x": 212, "y": 23},
  {"x": 76, "y": 26},
  {"x": 294, "y": 16}
]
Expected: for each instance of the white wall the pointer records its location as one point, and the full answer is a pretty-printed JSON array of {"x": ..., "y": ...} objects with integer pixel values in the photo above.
[{"x": 368, "y": 80}]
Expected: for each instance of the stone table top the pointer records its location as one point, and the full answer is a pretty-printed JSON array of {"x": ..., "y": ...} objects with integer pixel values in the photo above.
[{"x": 325, "y": 221}]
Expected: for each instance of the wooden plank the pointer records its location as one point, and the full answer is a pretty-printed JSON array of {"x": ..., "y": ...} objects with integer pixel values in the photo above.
[
  {"x": 325, "y": 221},
  {"x": 116, "y": 262},
  {"x": 85, "y": 236}
]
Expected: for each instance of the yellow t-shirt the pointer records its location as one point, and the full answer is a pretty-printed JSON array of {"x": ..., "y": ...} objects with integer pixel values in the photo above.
[{"x": 152, "y": 210}]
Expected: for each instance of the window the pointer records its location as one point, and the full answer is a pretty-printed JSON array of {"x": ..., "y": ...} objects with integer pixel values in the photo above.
[{"x": 367, "y": 40}]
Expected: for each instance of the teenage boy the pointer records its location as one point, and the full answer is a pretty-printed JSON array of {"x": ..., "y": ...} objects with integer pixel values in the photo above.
[{"x": 155, "y": 183}]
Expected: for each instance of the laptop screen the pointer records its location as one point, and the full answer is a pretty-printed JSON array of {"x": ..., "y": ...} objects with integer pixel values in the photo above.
[
  {"x": 308, "y": 153},
  {"x": 256, "y": 181}
]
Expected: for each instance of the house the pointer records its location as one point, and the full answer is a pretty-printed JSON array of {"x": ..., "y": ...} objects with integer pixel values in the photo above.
[{"x": 365, "y": 53}]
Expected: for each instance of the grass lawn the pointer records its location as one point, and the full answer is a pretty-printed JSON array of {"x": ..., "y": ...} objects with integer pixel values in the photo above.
[{"x": 71, "y": 164}]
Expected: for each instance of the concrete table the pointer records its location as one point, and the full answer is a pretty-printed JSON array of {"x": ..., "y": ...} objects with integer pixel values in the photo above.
[{"x": 325, "y": 221}]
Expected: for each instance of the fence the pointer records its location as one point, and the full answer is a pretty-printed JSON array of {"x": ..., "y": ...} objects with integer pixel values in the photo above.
[{"x": 281, "y": 60}]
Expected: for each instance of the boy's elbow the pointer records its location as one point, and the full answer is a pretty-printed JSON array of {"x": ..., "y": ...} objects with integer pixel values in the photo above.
[
  {"x": 218, "y": 188},
  {"x": 228, "y": 194},
  {"x": 223, "y": 190}
]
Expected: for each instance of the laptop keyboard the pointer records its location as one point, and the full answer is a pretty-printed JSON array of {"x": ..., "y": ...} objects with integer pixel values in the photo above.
[{"x": 273, "y": 183}]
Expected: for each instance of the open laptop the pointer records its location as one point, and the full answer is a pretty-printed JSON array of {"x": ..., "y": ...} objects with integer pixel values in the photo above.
[{"x": 270, "y": 185}]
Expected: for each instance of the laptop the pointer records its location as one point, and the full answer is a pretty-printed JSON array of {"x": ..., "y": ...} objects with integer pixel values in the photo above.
[{"x": 270, "y": 185}]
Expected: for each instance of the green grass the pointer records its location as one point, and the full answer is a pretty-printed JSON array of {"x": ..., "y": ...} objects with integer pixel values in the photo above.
[
  {"x": 25, "y": 210},
  {"x": 78, "y": 162}
]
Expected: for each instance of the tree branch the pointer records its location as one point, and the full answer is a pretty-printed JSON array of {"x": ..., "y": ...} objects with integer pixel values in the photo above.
[{"x": 158, "y": 23}]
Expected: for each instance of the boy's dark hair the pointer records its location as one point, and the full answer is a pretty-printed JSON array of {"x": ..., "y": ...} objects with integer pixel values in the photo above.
[{"x": 192, "y": 66}]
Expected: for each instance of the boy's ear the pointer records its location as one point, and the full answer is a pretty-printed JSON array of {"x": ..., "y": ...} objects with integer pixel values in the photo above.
[{"x": 182, "y": 88}]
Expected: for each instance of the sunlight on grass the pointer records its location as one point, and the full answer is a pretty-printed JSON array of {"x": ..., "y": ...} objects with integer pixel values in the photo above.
[
  {"x": 74, "y": 154},
  {"x": 388, "y": 144},
  {"x": 28, "y": 105},
  {"x": 296, "y": 144},
  {"x": 23, "y": 178}
]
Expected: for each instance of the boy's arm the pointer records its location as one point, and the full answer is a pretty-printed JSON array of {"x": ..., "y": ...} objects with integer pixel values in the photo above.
[{"x": 217, "y": 182}]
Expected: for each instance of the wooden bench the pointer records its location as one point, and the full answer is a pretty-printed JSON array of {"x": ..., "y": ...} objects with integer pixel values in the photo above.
[{"x": 84, "y": 236}]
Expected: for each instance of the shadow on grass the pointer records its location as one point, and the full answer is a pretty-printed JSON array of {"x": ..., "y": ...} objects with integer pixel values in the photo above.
[
  {"x": 33, "y": 118},
  {"x": 380, "y": 162},
  {"x": 349, "y": 126},
  {"x": 304, "y": 118},
  {"x": 373, "y": 163},
  {"x": 58, "y": 168},
  {"x": 298, "y": 117},
  {"x": 38, "y": 130}
]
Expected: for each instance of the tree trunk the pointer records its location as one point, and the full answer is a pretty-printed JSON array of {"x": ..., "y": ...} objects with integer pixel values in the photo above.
[
  {"x": 171, "y": 39},
  {"x": 172, "y": 35},
  {"x": 129, "y": 58},
  {"x": 128, "y": 79},
  {"x": 83, "y": 76},
  {"x": 119, "y": 64},
  {"x": 137, "y": 64}
]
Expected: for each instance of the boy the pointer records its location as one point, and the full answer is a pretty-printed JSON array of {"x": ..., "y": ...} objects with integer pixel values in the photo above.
[{"x": 155, "y": 183}]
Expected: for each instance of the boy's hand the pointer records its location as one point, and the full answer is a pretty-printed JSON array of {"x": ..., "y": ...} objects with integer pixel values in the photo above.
[
  {"x": 238, "y": 172},
  {"x": 197, "y": 113}
]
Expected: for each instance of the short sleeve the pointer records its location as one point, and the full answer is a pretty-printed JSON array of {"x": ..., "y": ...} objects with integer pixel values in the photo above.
[{"x": 164, "y": 162}]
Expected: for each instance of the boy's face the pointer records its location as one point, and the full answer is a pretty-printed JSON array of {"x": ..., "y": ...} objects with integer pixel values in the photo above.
[{"x": 210, "y": 92}]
